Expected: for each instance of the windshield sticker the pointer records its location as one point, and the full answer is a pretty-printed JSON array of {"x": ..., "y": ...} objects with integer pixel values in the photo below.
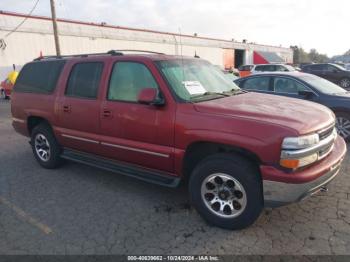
[{"x": 194, "y": 87}]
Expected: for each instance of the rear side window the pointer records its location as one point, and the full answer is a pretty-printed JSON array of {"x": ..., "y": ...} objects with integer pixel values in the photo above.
[
  {"x": 39, "y": 77},
  {"x": 281, "y": 68},
  {"x": 265, "y": 68},
  {"x": 315, "y": 67},
  {"x": 128, "y": 79},
  {"x": 84, "y": 80},
  {"x": 245, "y": 68},
  {"x": 257, "y": 83}
]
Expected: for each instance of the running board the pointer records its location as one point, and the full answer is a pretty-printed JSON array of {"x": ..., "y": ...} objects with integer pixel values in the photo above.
[{"x": 147, "y": 175}]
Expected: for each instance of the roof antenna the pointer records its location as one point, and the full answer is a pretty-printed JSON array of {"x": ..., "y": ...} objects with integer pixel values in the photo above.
[{"x": 195, "y": 55}]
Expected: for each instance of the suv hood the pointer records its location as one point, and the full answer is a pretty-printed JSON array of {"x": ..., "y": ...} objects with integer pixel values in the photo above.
[{"x": 302, "y": 116}]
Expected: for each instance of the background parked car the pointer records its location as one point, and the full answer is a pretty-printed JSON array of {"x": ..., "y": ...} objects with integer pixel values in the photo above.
[
  {"x": 254, "y": 69},
  {"x": 304, "y": 86},
  {"x": 6, "y": 88},
  {"x": 332, "y": 72},
  {"x": 244, "y": 70}
]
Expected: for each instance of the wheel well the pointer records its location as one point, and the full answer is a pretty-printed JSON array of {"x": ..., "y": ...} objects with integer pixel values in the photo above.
[
  {"x": 33, "y": 121},
  {"x": 196, "y": 152}
]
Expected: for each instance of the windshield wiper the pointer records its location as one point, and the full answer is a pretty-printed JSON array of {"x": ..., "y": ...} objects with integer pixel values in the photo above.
[
  {"x": 210, "y": 93},
  {"x": 237, "y": 91}
]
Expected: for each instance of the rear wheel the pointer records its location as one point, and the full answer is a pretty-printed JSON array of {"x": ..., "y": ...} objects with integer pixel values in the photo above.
[
  {"x": 343, "y": 125},
  {"x": 345, "y": 83},
  {"x": 226, "y": 190},
  {"x": 45, "y": 146}
]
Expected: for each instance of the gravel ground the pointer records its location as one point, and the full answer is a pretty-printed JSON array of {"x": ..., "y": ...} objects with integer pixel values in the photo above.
[{"x": 81, "y": 210}]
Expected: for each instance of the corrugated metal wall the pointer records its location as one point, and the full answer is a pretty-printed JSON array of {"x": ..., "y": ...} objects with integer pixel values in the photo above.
[{"x": 35, "y": 36}]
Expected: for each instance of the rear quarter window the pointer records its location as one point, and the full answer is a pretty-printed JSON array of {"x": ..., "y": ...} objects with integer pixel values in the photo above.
[{"x": 39, "y": 77}]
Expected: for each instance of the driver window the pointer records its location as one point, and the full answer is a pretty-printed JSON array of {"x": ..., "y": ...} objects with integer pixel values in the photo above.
[
  {"x": 128, "y": 79},
  {"x": 330, "y": 68}
]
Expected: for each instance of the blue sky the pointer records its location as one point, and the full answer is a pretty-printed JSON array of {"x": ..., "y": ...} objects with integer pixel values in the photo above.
[{"x": 320, "y": 24}]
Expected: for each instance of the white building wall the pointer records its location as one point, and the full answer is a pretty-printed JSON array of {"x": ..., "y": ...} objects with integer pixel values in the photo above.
[{"x": 35, "y": 36}]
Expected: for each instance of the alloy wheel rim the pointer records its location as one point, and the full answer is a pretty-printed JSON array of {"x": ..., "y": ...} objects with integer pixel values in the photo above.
[
  {"x": 42, "y": 147},
  {"x": 343, "y": 126},
  {"x": 345, "y": 83},
  {"x": 224, "y": 195}
]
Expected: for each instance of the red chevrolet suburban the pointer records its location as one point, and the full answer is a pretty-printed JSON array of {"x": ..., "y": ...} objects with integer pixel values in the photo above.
[{"x": 165, "y": 119}]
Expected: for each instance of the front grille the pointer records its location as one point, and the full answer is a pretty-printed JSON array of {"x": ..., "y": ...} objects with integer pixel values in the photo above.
[
  {"x": 326, "y": 132},
  {"x": 324, "y": 152}
]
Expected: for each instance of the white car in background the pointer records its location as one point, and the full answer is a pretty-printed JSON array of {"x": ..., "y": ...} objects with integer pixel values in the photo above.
[{"x": 272, "y": 68}]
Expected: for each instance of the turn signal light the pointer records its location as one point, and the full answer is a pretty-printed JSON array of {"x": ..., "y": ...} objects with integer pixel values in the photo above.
[{"x": 289, "y": 163}]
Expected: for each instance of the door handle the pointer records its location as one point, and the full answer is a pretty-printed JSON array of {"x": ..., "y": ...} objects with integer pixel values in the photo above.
[
  {"x": 67, "y": 109},
  {"x": 107, "y": 113}
]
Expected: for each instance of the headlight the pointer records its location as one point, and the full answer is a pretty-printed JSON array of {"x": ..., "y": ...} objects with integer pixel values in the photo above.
[
  {"x": 300, "y": 142},
  {"x": 293, "y": 144}
]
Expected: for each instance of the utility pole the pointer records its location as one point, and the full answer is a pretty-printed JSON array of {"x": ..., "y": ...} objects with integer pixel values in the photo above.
[{"x": 55, "y": 30}]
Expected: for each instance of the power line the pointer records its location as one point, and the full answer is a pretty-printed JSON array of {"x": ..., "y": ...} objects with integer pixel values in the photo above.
[{"x": 21, "y": 23}]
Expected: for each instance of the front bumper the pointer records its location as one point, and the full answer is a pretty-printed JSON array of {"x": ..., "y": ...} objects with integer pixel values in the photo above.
[{"x": 284, "y": 188}]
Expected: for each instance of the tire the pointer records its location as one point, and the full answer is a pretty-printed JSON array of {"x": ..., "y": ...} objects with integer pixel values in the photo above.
[
  {"x": 345, "y": 83},
  {"x": 343, "y": 125},
  {"x": 247, "y": 180},
  {"x": 43, "y": 138}
]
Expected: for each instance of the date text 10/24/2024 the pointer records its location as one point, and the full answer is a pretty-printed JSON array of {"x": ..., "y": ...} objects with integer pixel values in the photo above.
[{"x": 173, "y": 258}]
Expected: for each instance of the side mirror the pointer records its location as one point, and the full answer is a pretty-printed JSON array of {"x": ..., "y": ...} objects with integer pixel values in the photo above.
[
  {"x": 150, "y": 96},
  {"x": 306, "y": 93}
]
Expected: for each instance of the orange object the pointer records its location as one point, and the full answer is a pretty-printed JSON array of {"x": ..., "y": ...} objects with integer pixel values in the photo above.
[
  {"x": 289, "y": 163},
  {"x": 244, "y": 73}
]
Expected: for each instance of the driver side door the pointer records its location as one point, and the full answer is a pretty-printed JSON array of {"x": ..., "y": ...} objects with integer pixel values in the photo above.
[
  {"x": 287, "y": 86},
  {"x": 133, "y": 132}
]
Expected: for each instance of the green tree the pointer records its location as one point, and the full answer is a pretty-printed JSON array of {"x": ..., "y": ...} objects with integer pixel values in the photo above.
[{"x": 300, "y": 56}]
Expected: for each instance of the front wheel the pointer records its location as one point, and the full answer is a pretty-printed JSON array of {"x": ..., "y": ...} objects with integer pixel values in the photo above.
[
  {"x": 345, "y": 83},
  {"x": 226, "y": 190},
  {"x": 343, "y": 125}
]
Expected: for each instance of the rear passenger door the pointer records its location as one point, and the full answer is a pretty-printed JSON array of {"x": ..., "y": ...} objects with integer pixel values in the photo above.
[
  {"x": 316, "y": 70},
  {"x": 79, "y": 106}
]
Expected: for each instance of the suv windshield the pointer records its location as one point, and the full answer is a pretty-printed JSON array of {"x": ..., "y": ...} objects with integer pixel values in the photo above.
[
  {"x": 323, "y": 85},
  {"x": 193, "y": 79}
]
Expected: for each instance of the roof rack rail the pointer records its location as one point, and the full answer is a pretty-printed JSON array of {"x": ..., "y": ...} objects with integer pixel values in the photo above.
[
  {"x": 110, "y": 52},
  {"x": 134, "y": 50},
  {"x": 78, "y": 55}
]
